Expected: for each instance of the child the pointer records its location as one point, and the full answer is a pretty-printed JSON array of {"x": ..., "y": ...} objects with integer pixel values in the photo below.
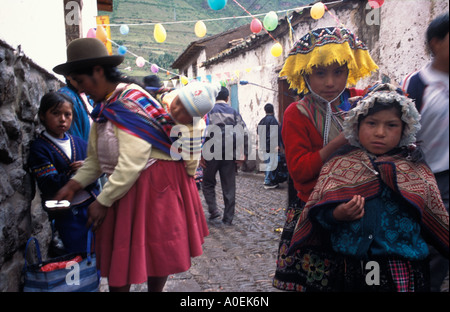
[
  {"x": 149, "y": 219},
  {"x": 55, "y": 156},
  {"x": 188, "y": 107},
  {"x": 322, "y": 65},
  {"x": 375, "y": 200}
]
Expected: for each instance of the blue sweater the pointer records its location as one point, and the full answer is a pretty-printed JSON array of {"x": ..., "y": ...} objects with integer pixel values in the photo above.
[
  {"x": 51, "y": 167},
  {"x": 387, "y": 228}
]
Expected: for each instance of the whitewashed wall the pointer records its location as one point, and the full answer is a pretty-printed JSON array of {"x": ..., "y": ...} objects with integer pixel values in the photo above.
[{"x": 39, "y": 28}]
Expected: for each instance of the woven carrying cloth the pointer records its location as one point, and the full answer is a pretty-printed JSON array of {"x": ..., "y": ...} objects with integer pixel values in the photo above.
[{"x": 323, "y": 47}]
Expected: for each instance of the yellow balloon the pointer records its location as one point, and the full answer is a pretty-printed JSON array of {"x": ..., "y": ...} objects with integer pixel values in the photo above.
[
  {"x": 159, "y": 33},
  {"x": 184, "y": 80},
  {"x": 276, "y": 50},
  {"x": 100, "y": 33},
  {"x": 200, "y": 29},
  {"x": 317, "y": 10}
]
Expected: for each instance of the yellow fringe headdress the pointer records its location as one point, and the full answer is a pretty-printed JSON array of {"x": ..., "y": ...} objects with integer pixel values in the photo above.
[{"x": 323, "y": 47}]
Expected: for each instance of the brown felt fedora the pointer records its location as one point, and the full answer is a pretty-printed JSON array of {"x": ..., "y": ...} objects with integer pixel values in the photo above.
[{"x": 84, "y": 53}]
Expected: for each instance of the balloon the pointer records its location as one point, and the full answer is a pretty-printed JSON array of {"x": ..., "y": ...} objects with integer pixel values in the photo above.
[
  {"x": 122, "y": 50},
  {"x": 154, "y": 68},
  {"x": 200, "y": 29},
  {"x": 184, "y": 80},
  {"x": 159, "y": 33},
  {"x": 276, "y": 50},
  {"x": 375, "y": 4},
  {"x": 100, "y": 33},
  {"x": 317, "y": 10},
  {"x": 140, "y": 62},
  {"x": 217, "y": 4},
  {"x": 124, "y": 29},
  {"x": 270, "y": 21},
  {"x": 91, "y": 33},
  {"x": 255, "y": 26}
]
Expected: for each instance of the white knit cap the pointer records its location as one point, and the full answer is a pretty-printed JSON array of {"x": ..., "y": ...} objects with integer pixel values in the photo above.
[{"x": 199, "y": 97}]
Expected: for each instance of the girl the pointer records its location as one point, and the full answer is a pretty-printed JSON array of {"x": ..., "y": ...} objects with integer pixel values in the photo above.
[
  {"x": 149, "y": 218},
  {"x": 55, "y": 156},
  {"x": 375, "y": 200},
  {"x": 321, "y": 65}
]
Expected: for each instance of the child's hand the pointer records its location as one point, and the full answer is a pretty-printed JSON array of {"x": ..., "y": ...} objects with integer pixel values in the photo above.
[
  {"x": 76, "y": 165},
  {"x": 350, "y": 211}
]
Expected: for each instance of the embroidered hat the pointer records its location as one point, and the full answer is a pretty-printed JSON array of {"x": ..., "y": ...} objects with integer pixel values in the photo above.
[
  {"x": 199, "y": 97},
  {"x": 84, "y": 53},
  {"x": 384, "y": 93},
  {"x": 323, "y": 47}
]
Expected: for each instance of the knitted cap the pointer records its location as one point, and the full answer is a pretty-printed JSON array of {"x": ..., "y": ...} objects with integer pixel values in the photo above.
[
  {"x": 199, "y": 98},
  {"x": 323, "y": 47},
  {"x": 383, "y": 93}
]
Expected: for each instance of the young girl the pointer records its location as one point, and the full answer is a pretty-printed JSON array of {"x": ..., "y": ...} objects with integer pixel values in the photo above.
[
  {"x": 375, "y": 201},
  {"x": 55, "y": 156},
  {"x": 149, "y": 217},
  {"x": 321, "y": 65}
]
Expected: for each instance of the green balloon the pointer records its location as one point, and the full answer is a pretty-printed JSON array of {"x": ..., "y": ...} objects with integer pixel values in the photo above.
[{"x": 270, "y": 21}]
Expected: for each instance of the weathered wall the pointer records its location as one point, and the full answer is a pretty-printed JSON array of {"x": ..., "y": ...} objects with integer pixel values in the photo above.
[{"x": 22, "y": 84}]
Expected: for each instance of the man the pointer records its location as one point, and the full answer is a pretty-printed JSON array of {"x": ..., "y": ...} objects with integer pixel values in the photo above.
[
  {"x": 269, "y": 145},
  {"x": 430, "y": 88},
  {"x": 225, "y": 148}
]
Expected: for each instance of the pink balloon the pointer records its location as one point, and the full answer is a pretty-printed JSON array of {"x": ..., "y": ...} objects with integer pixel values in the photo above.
[
  {"x": 255, "y": 26},
  {"x": 375, "y": 4},
  {"x": 91, "y": 33},
  {"x": 154, "y": 68}
]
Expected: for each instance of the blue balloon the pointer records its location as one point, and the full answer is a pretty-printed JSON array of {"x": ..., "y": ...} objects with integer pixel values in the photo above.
[
  {"x": 217, "y": 4},
  {"x": 122, "y": 50}
]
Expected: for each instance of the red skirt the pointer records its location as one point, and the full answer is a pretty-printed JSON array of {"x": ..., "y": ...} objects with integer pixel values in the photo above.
[{"x": 153, "y": 230}]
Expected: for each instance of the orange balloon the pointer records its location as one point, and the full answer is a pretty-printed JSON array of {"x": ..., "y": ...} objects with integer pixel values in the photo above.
[{"x": 100, "y": 33}]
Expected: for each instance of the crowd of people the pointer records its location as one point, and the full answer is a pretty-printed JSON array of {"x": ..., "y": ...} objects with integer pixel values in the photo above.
[{"x": 370, "y": 167}]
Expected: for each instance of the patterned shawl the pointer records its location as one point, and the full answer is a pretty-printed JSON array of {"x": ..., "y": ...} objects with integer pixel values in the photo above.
[
  {"x": 133, "y": 110},
  {"x": 354, "y": 173}
]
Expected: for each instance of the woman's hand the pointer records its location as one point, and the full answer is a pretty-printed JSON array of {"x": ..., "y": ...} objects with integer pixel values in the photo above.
[
  {"x": 67, "y": 192},
  {"x": 350, "y": 211},
  {"x": 96, "y": 215}
]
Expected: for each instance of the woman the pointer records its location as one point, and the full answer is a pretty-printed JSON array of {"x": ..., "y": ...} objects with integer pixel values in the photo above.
[{"x": 149, "y": 220}]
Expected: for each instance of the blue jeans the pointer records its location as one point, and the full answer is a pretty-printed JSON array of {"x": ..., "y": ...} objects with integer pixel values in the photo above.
[{"x": 269, "y": 166}]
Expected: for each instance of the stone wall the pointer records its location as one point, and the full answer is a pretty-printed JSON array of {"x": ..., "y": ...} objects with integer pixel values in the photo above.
[{"x": 22, "y": 84}]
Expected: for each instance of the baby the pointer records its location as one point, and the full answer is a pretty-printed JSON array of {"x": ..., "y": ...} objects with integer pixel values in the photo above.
[{"x": 187, "y": 107}]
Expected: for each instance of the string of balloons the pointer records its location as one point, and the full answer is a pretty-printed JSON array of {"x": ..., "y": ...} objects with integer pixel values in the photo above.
[{"x": 269, "y": 23}]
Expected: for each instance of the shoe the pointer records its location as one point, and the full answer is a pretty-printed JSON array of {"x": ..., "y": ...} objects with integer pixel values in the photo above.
[
  {"x": 227, "y": 222},
  {"x": 271, "y": 185},
  {"x": 214, "y": 215}
]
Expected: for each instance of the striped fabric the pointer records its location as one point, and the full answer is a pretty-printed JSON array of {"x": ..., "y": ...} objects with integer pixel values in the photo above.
[{"x": 133, "y": 110}]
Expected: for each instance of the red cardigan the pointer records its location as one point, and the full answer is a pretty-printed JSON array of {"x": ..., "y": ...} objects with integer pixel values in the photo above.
[{"x": 302, "y": 143}]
